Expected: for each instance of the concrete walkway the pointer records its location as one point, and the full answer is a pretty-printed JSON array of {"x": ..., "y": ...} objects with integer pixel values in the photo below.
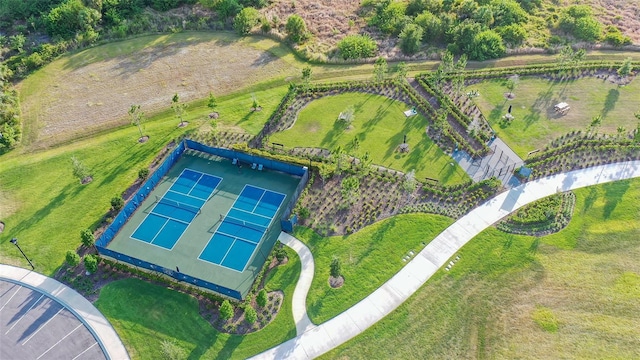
[
  {"x": 299, "y": 305},
  {"x": 74, "y": 302},
  {"x": 320, "y": 339},
  {"x": 501, "y": 163}
]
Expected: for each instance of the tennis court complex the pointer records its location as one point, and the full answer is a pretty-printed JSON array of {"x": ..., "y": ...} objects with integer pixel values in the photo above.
[
  {"x": 237, "y": 237},
  {"x": 207, "y": 219}
]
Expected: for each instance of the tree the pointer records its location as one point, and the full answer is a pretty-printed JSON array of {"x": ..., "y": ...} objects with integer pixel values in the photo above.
[
  {"x": 325, "y": 172},
  {"x": 357, "y": 46},
  {"x": 250, "y": 314},
  {"x": 513, "y": 34},
  {"x": 117, "y": 203},
  {"x": 458, "y": 79},
  {"x": 69, "y": 18},
  {"x": 588, "y": 29},
  {"x": 401, "y": 71},
  {"x": 389, "y": 16},
  {"x": 296, "y": 28},
  {"x": 80, "y": 171},
  {"x": 338, "y": 154},
  {"x": 433, "y": 29},
  {"x": 87, "y": 237},
  {"x": 246, "y": 20},
  {"x": 335, "y": 269},
  {"x": 409, "y": 183},
  {"x": 180, "y": 109},
  {"x": 512, "y": 83},
  {"x": 137, "y": 117},
  {"x": 226, "y": 310},
  {"x": 72, "y": 258},
  {"x": 143, "y": 173},
  {"x": 506, "y": 12},
  {"x": 347, "y": 115},
  {"x": 261, "y": 299},
  {"x": 626, "y": 68},
  {"x": 596, "y": 121},
  {"x": 228, "y": 8},
  {"x": 281, "y": 254},
  {"x": 487, "y": 45},
  {"x": 91, "y": 263},
  {"x": 410, "y": 38},
  {"x": 380, "y": 69},
  {"x": 568, "y": 57},
  {"x": 306, "y": 76}
]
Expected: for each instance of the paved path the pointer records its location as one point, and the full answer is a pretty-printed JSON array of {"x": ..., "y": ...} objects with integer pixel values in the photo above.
[
  {"x": 320, "y": 339},
  {"x": 501, "y": 163},
  {"x": 299, "y": 305},
  {"x": 95, "y": 322}
]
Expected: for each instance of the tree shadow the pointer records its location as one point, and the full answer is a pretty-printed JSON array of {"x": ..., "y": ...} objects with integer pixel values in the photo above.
[
  {"x": 332, "y": 136},
  {"x": 226, "y": 352},
  {"x": 613, "y": 192},
  {"x": 543, "y": 101},
  {"x": 610, "y": 102},
  {"x": 590, "y": 199}
]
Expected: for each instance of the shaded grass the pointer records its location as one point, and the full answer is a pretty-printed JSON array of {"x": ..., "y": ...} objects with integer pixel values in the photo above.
[
  {"x": 380, "y": 126},
  {"x": 368, "y": 258},
  {"x": 145, "y": 315},
  {"x": 536, "y": 123},
  {"x": 488, "y": 305}
]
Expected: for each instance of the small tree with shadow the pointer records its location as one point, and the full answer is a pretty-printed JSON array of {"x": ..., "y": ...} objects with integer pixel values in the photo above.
[
  {"x": 347, "y": 116},
  {"x": 380, "y": 69},
  {"x": 117, "y": 203},
  {"x": 626, "y": 68},
  {"x": 180, "y": 109},
  {"x": 137, "y": 117},
  {"x": 409, "y": 183},
  {"x": 335, "y": 269},
  {"x": 171, "y": 351},
  {"x": 80, "y": 171},
  {"x": 72, "y": 258},
  {"x": 91, "y": 264},
  {"x": 87, "y": 238},
  {"x": 226, "y": 310},
  {"x": 143, "y": 173},
  {"x": 512, "y": 83},
  {"x": 281, "y": 253},
  {"x": 261, "y": 299},
  {"x": 250, "y": 314}
]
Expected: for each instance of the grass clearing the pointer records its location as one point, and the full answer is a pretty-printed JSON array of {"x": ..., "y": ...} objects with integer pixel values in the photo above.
[
  {"x": 146, "y": 315},
  {"x": 582, "y": 278},
  {"x": 380, "y": 126},
  {"x": 94, "y": 88},
  {"x": 368, "y": 258},
  {"x": 536, "y": 123}
]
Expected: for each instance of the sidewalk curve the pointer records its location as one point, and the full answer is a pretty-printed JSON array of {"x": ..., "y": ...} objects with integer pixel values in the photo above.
[
  {"x": 74, "y": 302},
  {"x": 326, "y": 336},
  {"x": 299, "y": 305}
]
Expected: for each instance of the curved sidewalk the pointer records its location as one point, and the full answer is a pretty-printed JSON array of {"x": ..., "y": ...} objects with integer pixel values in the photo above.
[
  {"x": 74, "y": 302},
  {"x": 299, "y": 306},
  {"x": 326, "y": 336}
]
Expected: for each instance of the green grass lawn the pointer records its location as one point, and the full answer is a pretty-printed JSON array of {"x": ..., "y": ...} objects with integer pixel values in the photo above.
[
  {"x": 380, "y": 126},
  {"x": 574, "y": 294},
  {"x": 536, "y": 123},
  {"x": 146, "y": 315},
  {"x": 368, "y": 258}
]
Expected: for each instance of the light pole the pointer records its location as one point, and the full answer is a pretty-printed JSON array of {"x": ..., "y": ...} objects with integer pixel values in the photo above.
[{"x": 14, "y": 241}]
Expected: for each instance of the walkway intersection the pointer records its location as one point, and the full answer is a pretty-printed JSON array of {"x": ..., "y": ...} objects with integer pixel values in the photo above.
[{"x": 319, "y": 339}]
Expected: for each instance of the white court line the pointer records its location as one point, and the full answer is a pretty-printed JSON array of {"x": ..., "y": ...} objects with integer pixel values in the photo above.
[
  {"x": 41, "y": 327},
  {"x": 16, "y": 323},
  {"x": 59, "y": 341},
  {"x": 14, "y": 294},
  {"x": 85, "y": 350}
]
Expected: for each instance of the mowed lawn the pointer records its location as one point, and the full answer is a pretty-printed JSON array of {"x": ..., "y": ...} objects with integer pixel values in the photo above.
[
  {"x": 574, "y": 294},
  {"x": 379, "y": 126},
  {"x": 368, "y": 258},
  {"x": 146, "y": 316},
  {"x": 536, "y": 122}
]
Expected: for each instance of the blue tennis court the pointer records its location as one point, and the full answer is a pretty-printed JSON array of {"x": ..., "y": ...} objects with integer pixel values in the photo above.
[
  {"x": 241, "y": 230},
  {"x": 173, "y": 213}
]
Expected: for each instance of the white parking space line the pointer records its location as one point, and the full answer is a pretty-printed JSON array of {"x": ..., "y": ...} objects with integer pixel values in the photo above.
[
  {"x": 41, "y": 327},
  {"x": 87, "y": 349},
  {"x": 14, "y": 294},
  {"x": 21, "y": 317},
  {"x": 59, "y": 341}
]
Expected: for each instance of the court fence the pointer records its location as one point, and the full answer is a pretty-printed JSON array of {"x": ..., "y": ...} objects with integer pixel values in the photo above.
[{"x": 132, "y": 205}]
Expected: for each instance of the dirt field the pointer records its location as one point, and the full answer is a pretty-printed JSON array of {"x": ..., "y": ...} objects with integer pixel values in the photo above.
[{"x": 95, "y": 88}]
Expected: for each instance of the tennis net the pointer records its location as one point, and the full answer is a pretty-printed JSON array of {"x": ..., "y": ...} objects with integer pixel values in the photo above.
[
  {"x": 179, "y": 205},
  {"x": 246, "y": 224}
]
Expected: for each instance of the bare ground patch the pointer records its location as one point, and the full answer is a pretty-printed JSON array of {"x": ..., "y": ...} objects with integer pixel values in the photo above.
[{"x": 72, "y": 99}]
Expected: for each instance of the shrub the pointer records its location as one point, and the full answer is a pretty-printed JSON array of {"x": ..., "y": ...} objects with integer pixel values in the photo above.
[
  {"x": 143, "y": 173},
  {"x": 250, "y": 314},
  {"x": 513, "y": 34},
  {"x": 171, "y": 351},
  {"x": 357, "y": 46},
  {"x": 433, "y": 29},
  {"x": 506, "y": 12},
  {"x": 281, "y": 253},
  {"x": 117, "y": 202},
  {"x": 246, "y": 20},
  {"x": 304, "y": 213},
  {"x": 80, "y": 171},
  {"x": 69, "y": 18},
  {"x": 335, "y": 268},
  {"x": 410, "y": 38},
  {"x": 226, "y": 310},
  {"x": 91, "y": 263},
  {"x": 72, "y": 258},
  {"x": 228, "y": 8},
  {"x": 487, "y": 45},
  {"x": 389, "y": 16},
  {"x": 615, "y": 37},
  {"x": 261, "y": 299},
  {"x": 296, "y": 29},
  {"x": 87, "y": 238}
]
